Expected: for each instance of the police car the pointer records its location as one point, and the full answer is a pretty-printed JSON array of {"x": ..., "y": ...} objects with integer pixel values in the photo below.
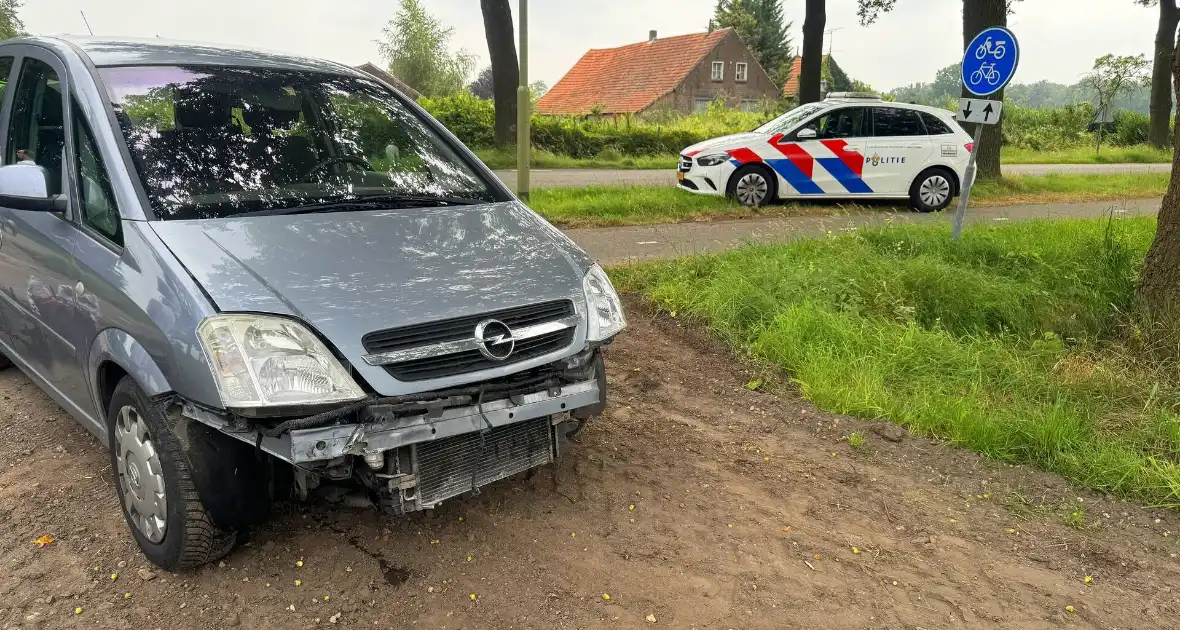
[{"x": 849, "y": 146}]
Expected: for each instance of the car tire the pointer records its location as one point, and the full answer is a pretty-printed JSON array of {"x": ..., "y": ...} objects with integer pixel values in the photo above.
[
  {"x": 932, "y": 190},
  {"x": 753, "y": 185},
  {"x": 145, "y": 454},
  {"x": 5, "y": 362}
]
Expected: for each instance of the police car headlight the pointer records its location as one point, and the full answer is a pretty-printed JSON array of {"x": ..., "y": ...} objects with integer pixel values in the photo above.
[{"x": 713, "y": 160}]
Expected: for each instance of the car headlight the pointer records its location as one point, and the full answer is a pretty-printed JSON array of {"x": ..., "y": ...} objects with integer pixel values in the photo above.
[
  {"x": 266, "y": 361},
  {"x": 605, "y": 316},
  {"x": 713, "y": 160}
]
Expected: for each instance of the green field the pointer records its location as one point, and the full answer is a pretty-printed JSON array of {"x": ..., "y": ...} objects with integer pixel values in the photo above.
[
  {"x": 1018, "y": 342},
  {"x": 600, "y": 206}
]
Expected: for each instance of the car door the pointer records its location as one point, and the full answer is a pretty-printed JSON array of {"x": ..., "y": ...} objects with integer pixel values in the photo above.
[
  {"x": 825, "y": 155},
  {"x": 898, "y": 150},
  {"x": 37, "y": 269}
]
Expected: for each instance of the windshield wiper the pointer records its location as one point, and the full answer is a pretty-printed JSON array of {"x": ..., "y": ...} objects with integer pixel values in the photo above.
[{"x": 369, "y": 202}]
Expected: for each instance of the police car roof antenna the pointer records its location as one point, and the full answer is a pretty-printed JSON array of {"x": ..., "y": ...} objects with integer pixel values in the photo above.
[{"x": 86, "y": 22}]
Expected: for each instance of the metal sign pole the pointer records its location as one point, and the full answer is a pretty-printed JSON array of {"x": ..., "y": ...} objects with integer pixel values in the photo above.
[{"x": 965, "y": 196}]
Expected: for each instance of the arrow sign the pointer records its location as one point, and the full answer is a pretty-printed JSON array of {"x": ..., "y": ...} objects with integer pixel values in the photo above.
[{"x": 978, "y": 110}]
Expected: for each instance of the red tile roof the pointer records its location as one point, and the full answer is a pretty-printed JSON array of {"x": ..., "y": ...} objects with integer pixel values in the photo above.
[
  {"x": 791, "y": 89},
  {"x": 628, "y": 79}
]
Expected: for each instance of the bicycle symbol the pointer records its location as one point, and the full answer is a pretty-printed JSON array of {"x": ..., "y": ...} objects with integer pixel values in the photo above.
[
  {"x": 998, "y": 50},
  {"x": 986, "y": 72}
]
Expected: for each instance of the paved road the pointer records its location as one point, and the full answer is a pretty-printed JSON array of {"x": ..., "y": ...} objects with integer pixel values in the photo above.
[
  {"x": 628, "y": 244},
  {"x": 574, "y": 178}
]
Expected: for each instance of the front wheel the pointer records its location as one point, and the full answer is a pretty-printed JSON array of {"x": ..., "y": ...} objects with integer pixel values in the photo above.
[
  {"x": 5, "y": 362},
  {"x": 753, "y": 185},
  {"x": 932, "y": 190},
  {"x": 155, "y": 487}
]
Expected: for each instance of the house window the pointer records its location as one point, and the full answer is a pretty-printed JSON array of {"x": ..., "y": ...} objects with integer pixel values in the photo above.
[
  {"x": 718, "y": 70},
  {"x": 739, "y": 73},
  {"x": 700, "y": 104}
]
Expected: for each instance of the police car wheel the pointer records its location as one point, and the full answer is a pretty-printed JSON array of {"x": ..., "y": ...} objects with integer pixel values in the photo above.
[
  {"x": 4, "y": 362},
  {"x": 752, "y": 185},
  {"x": 932, "y": 190}
]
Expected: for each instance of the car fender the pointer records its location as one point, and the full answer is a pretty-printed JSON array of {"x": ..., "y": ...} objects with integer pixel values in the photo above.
[{"x": 119, "y": 347}]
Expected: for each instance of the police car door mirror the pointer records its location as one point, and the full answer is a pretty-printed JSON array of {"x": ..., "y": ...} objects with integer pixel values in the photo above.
[
  {"x": 805, "y": 134},
  {"x": 26, "y": 187}
]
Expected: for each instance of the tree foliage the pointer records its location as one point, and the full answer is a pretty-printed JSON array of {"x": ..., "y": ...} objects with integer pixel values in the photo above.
[
  {"x": 482, "y": 85},
  {"x": 417, "y": 48},
  {"x": 762, "y": 26},
  {"x": 10, "y": 23},
  {"x": 1115, "y": 75}
]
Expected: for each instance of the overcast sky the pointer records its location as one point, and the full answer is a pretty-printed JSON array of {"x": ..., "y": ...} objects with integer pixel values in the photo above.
[{"x": 1060, "y": 38}]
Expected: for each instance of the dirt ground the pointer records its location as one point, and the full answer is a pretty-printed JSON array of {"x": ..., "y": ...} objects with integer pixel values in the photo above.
[{"x": 692, "y": 503}]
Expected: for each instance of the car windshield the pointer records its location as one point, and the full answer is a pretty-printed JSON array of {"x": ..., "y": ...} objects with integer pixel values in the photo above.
[
  {"x": 212, "y": 142},
  {"x": 790, "y": 119}
]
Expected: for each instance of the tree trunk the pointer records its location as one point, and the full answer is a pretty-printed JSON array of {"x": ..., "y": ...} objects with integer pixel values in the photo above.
[
  {"x": 813, "y": 51},
  {"x": 978, "y": 15},
  {"x": 1161, "y": 75},
  {"x": 1159, "y": 283},
  {"x": 497, "y": 25}
]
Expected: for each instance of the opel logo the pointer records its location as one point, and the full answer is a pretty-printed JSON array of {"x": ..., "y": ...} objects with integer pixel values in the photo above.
[{"x": 494, "y": 339}]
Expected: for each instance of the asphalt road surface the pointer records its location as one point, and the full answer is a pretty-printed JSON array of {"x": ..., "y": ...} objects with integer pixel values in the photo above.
[
  {"x": 575, "y": 178},
  {"x": 612, "y": 246}
]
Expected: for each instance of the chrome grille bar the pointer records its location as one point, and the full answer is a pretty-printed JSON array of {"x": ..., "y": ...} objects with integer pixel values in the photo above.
[{"x": 464, "y": 345}]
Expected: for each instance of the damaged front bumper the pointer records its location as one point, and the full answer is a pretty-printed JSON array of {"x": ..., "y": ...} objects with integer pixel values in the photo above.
[{"x": 413, "y": 461}]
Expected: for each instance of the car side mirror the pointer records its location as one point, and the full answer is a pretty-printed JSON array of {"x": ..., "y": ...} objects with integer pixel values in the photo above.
[
  {"x": 805, "y": 134},
  {"x": 26, "y": 187}
]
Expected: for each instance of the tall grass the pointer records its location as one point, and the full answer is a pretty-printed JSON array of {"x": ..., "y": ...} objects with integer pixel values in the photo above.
[{"x": 1004, "y": 342}]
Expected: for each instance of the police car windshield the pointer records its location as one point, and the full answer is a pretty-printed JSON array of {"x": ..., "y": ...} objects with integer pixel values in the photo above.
[{"x": 790, "y": 119}]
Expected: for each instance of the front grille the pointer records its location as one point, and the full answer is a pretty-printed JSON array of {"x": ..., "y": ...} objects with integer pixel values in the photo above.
[
  {"x": 458, "y": 464},
  {"x": 685, "y": 164},
  {"x": 464, "y": 328}
]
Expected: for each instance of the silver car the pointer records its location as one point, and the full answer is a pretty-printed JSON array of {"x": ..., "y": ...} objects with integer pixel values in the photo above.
[{"x": 257, "y": 277}]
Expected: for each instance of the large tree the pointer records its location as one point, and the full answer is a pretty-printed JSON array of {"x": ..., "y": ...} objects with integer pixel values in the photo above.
[
  {"x": 813, "y": 51},
  {"x": 1161, "y": 74},
  {"x": 417, "y": 47},
  {"x": 10, "y": 23},
  {"x": 761, "y": 25},
  {"x": 1159, "y": 283},
  {"x": 497, "y": 26}
]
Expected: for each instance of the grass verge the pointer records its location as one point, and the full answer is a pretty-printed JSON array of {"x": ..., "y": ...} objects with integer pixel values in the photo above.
[
  {"x": 1140, "y": 154},
  {"x": 603, "y": 206},
  {"x": 1007, "y": 342}
]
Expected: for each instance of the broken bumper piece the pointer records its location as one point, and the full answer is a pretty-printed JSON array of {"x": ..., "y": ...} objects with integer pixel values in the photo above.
[{"x": 415, "y": 461}]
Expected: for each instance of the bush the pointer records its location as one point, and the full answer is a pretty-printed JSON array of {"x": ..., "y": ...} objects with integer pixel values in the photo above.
[
  {"x": 666, "y": 132},
  {"x": 1130, "y": 128},
  {"x": 472, "y": 120},
  {"x": 1045, "y": 128}
]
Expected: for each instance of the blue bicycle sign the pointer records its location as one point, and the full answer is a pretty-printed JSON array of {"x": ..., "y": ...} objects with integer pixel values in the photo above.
[{"x": 990, "y": 61}]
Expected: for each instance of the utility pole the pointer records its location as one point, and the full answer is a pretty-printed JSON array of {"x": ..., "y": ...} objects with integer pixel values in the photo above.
[
  {"x": 831, "y": 32},
  {"x": 523, "y": 108}
]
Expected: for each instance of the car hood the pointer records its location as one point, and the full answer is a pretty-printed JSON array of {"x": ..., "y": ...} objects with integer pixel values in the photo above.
[
  {"x": 350, "y": 273},
  {"x": 724, "y": 143}
]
